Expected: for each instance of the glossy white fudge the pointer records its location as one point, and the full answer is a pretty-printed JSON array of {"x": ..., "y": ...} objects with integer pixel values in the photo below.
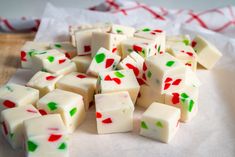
[
  {"x": 124, "y": 30},
  {"x": 12, "y": 123},
  {"x": 68, "y": 104},
  {"x": 108, "y": 41},
  {"x": 46, "y": 136},
  {"x": 183, "y": 38},
  {"x": 104, "y": 60},
  {"x": 79, "y": 83},
  {"x": 66, "y": 48},
  {"x": 160, "y": 122},
  {"x": 186, "y": 100},
  {"x": 143, "y": 47},
  {"x": 29, "y": 49},
  {"x": 185, "y": 54},
  {"x": 114, "y": 112},
  {"x": 14, "y": 95},
  {"x": 119, "y": 80},
  {"x": 44, "y": 82},
  {"x": 148, "y": 95},
  {"x": 82, "y": 63},
  {"x": 157, "y": 35},
  {"x": 208, "y": 54},
  {"x": 164, "y": 72}
]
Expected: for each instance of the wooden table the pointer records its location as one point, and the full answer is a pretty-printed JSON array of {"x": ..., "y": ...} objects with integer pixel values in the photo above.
[{"x": 10, "y": 45}]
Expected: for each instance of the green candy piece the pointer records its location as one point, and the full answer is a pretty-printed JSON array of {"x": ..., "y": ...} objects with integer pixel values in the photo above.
[
  {"x": 146, "y": 30},
  {"x": 32, "y": 146},
  {"x": 32, "y": 53},
  {"x": 170, "y": 63},
  {"x": 52, "y": 106},
  {"x": 51, "y": 58},
  {"x": 73, "y": 111},
  {"x": 159, "y": 124},
  {"x": 129, "y": 50},
  {"x": 149, "y": 74},
  {"x": 44, "y": 70},
  {"x": 100, "y": 57},
  {"x": 58, "y": 45},
  {"x": 118, "y": 74},
  {"x": 159, "y": 48},
  {"x": 9, "y": 88},
  {"x": 184, "y": 95},
  {"x": 186, "y": 42},
  {"x": 11, "y": 135},
  {"x": 62, "y": 146},
  {"x": 119, "y": 31},
  {"x": 191, "y": 103},
  {"x": 144, "y": 125}
]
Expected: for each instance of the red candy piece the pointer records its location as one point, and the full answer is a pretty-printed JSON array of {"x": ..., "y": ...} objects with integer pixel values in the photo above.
[
  {"x": 139, "y": 95},
  {"x": 67, "y": 55},
  {"x": 189, "y": 53},
  {"x": 188, "y": 64},
  {"x": 31, "y": 111},
  {"x": 107, "y": 78},
  {"x": 137, "y": 48},
  {"x": 175, "y": 98},
  {"x": 158, "y": 30},
  {"x": 107, "y": 121},
  {"x": 135, "y": 70},
  {"x": 87, "y": 48},
  {"x": 81, "y": 76},
  {"x": 140, "y": 81},
  {"x": 166, "y": 86},
  {"x": 109, "y": 62},
  {"x": 194, "y": 43},
  {"x": 62, "y": 61},
  {"x": 168, "y": 79},
  {"x": 98, "y": 115},
  {"x": 49, "y": 78},
  {"x": 114, "y": 50},
  {"x": 42, "y": 112},
  {"x": 9, "y": 104},
  {"x": 117, "y": 80},
  {"x": 54, "y": 137},
  {"x": 23, "y": 56},
  {"x": 144, "y": 67},
  {"x": 144, "y": 76},
  {"x": 4, "y": 128},
  {"x": 176, "y": 82}
]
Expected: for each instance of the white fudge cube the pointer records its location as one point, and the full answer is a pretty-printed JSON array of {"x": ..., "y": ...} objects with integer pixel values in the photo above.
[
  {"x": 46, "y": 136},
  {"x": 207, "y": 53},
  {"x": 79, "y": 83},
  {"x": 66, "y": 48},
  {"x": 164, "y": 72},
  {"x": 14, "y": 95},
  {"x": 183, "y": 38},
  {"x": 29, "y": 49},
  {"x": 148, "y": 95},
  {"x": 114, "y": 112},
  {"x": 119, "y": 80},
  {"x": 186, "y": 100},
  {"x": 143, "y": 47},
  {"x": 108, "y": 41},
  {"x": 12, "y": 123},
  {"x": 104, "y": 60},
  {"x": 124, "y": 30},
  {"x": 160, "y": 122},
  {"x": 157, "y": 35},
  {"x": 69, "y": 105},
  {"x": 44, "y": 82},
  {"x": 185, "y": 54},
  {"x": 82, "y": 63}
]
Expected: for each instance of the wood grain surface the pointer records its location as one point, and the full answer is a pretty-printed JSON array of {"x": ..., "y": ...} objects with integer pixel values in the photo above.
[{"x": 10, "y": 45}]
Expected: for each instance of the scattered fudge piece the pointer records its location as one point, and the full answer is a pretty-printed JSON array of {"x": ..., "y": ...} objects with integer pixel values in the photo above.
[
  {"x": 164, "y": 72},
  {"x": 29, "y": 49},
  {"x": 66, "y": 48},
  {"x": 143, "y": 47},
  {"x": 207, "y": 53},
  {"x": 184, "y": 38},
  {"x": 104, "y": 60},
  {"x": 13, "y": 95},
  {"x": 185, "y": 54},
  {"x": 186, "y": 100},
  {"x": 148, "y": 95},
  {"x": 46, "y": 136},
  {"x": 157, "y": 35},
  {"x": 83, "y": 40},
  {"x": 114, "y": 112},
  {"x": 12, "y": 123},
  {"x": 124, "y": 30},
  {"x": 119, "y": 80},
  {"x": 82, "y": 63},
  {"x": 44, "y": 82},
  {"x": 68, "y": 104},
  {"x": 79, "y": 83},
  {"x": 108, "y": 41},
  {"x": 160, "y": 122}
]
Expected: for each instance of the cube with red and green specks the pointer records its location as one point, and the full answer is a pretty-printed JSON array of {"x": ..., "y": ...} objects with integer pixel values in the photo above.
[
  {"x": 79, "y": 83},
  {"x": 164, "y": 72},
  {"x": 124, "y": 30},
  {"x": 157, "y": 35},
  {"x": 68, "y": 104},
  {"x": 160, "y": 122},
  {"x": 82, "y": 63},
  {"x": 29, "y": 49},
  {"x": 114, "y": 112},
  {"x": 14, "y": 95},
  {"x": 108, "y": 41},
  {"x": 12, "y": 123},
  {"x": 186, "y": 100},
  {"x": 143, "y": 47},
  {"x": 44, "y": 82},
  {"x": 119, "y": 80},
  {"x": 183, "y": 38},
  {"x": 66, "y": 48},
  {"x": 46, "y": 136},
  {"x": 185, "y": 54},
  {"x": 104, "y": 60}
]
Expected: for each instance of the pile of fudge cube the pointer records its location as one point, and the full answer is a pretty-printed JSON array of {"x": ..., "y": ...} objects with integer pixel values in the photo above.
[{"x": 113, "y": 67}]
